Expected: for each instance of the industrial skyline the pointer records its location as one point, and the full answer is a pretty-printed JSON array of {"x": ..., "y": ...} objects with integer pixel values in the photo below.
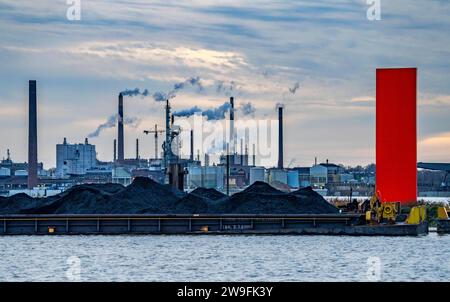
[{"x": 81, "y": 66}]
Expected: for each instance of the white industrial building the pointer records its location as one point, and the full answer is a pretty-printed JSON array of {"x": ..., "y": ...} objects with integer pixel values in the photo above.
[{"x": 74, "y": 159}]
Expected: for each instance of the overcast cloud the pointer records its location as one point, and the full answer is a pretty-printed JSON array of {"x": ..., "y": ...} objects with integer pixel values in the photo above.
[{"x": 265, "y": 47}]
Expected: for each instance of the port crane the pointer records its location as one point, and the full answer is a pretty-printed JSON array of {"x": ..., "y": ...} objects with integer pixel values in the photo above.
[{"x": 156, "y": 132}]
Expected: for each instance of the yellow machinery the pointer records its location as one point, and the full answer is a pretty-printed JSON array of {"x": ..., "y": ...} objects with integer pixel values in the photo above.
[
  {"x": 443, "y": 213},
  {"x": 388, "y": 211},
  {"x": 382, "y": 211}
]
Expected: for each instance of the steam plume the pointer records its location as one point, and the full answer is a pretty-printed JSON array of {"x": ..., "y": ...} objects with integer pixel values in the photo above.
[
  {"x": 225, "y": 88},
  {"x": 135, "y": 92},
  {"x": 293, "y": 90},
  {"x": 112, "y": 121},
  {"x": 247, "y": 109},
  {"x": 193, "y": 81},
  {"x": 210, "y": 114}
]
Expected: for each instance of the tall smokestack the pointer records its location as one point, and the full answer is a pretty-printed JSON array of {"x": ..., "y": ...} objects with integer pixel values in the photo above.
[
  {"x": 242, "y": 152},
  {"x": 115, "y": 151},
  {"x": 280, "y": 137},
  {"x": 32, "y": 135},
  {"x": 192, "y": 145},
  {"x": 120, "y": 145},
  {"x": 232, "y": 142},
  {"x": 254, "y": 155},
  {"x": 166, "y": 145},
  {"x": 247, "y": 138},
  {"x": 137, "y": 148},
  {"x": 228, "y": 171}
]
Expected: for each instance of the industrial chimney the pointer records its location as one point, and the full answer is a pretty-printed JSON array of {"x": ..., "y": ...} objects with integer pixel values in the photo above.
[
  {"x": 280, "y": 137},
  {"x": 254, "y": 155},
  {"x": 192, "y": 146},
  {"x": 32, "y": 135},
  {"x": 242, "y": 152},
  {"x": 137, "y": 149},
  {"x": 115, "y": 151},
  {"x": 232, "y": 142},
  {"x": 120, "y": 145}
]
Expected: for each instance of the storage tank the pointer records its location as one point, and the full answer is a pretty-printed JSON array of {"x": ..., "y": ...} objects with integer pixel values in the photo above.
[
  {"x": 292, "y": 178},
  {"x": 257, "y": 174},
  {"x": 278, "y": 175},
  {"x": 207, "y": 177}
]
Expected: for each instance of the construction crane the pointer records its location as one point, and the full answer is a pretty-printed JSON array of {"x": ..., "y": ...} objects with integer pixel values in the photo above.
[{"x": 156, "y": 133}]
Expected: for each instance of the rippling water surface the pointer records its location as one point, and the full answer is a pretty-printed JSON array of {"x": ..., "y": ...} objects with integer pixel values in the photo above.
[{"x": 224, "y": 258}]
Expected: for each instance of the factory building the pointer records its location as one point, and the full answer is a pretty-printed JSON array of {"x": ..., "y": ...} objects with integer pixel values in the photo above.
[
  {"x": 74, "y": 159},
  {"x": 10, "y": 168},
  {"x": 99, "y": 174},
  {"x": 304, "y": 177},
  {"x": 239, "y": 176},
  {"x": 333, "y": 172},
  {"x": 318, "y": 176},
  {"x": 4, "y": 172}
]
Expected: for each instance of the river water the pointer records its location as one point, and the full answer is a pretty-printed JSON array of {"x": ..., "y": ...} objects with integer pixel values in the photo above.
[{"x": 224, "y": 258}]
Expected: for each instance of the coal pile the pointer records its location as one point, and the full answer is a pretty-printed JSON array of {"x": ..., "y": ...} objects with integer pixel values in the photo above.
[
  {"x": 142, "y": 196},
  {"x": 145, "y": 196},
  {"x": 13, "y": 205},
  {"x": 199, "y": 201},
  {"x": 312, "y": 202},
  {"x": 211, "y": 194},
  {"x": 108, "y": 188},
  {"x": 261, "y": 198}
]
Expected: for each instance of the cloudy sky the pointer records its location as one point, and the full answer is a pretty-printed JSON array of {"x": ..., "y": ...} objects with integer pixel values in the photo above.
[{"x": 328, "y": 46}]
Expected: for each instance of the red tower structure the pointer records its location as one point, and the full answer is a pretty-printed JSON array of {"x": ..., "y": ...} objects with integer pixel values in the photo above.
[{"x": 396, "y": 135}]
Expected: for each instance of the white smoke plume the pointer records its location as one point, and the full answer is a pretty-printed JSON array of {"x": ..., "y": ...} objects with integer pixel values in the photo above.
[{"x": 112, "y": 122}]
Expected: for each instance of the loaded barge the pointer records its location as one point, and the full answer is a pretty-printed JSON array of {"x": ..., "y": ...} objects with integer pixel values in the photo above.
[{"x": 143, "y": 224}]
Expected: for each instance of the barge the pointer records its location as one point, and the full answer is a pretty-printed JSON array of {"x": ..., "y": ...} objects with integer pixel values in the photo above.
[{"x": 144, "y": 224}]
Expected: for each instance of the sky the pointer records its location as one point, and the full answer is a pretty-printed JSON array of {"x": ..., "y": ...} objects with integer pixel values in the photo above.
[{"x": 264, "y": 47}]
